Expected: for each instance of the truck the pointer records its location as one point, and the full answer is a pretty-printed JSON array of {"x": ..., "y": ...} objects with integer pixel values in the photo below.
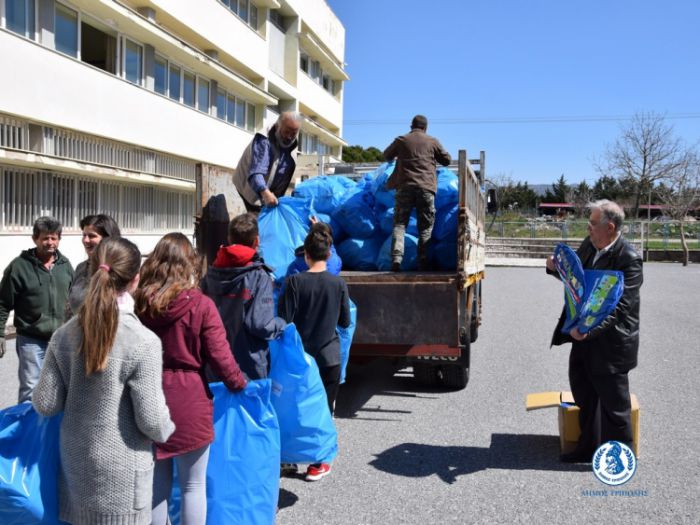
[{"x": 427, "y": 320}]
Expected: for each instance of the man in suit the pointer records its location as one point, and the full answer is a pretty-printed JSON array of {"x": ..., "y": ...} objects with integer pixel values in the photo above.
[{"x": 601, "y": 359}]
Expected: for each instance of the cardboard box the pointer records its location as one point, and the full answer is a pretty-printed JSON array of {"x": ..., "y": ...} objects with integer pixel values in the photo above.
[{"x": 569, "y": 429}]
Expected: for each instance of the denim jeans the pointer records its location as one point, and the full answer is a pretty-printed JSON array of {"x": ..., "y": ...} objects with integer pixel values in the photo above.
[{"x": 31, "y": 354}]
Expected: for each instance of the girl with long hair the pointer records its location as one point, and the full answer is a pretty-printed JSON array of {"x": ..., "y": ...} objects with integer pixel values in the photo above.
[
  {"x": 95, "y": 228},
  {"x": 103, "y": 370},
  {"x": 169, "y": 302}
]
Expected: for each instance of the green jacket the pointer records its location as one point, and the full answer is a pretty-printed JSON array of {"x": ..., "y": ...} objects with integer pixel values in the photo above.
[{"x": 37, "y": 295}]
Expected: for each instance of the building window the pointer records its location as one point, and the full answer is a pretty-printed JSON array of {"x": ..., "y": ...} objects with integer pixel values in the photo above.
[
  {"x": 245, "y": 10},
  {"x": 250, "y": 119},
  {"x": 97, "y": 46},
  {"x": 221, "y": 104},
  {"x": 277, "y": 19},
  {"x": 240, "y": 113},
  {"x": 230, "y": 110},
  {"x": 160, "y": 75},
  {"x": 253, "y": 21},
  {"x": 133, "y": 62},
  {"x": 20, "y": 16},
  {"x": 304, "y": 62},
  {"x": 66, "y": 30},
  {"x": 188, "y": 88},
  {"x": 203, "y": 95},
  {"x": 174, "y": 83}
]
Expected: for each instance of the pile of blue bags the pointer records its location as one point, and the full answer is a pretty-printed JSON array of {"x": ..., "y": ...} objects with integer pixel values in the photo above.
[{"x": 361, "y": 216}]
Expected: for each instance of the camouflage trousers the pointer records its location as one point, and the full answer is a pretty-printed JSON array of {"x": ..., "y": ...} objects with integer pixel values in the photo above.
[{"x": 424, "y": 203}]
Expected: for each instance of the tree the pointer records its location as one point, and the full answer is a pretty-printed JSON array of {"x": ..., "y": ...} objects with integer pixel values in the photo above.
[
  {"x": 560, "y": 192},
  {"x": 358, "y": 154},
  {"x": 607, "y": 187},
  {"x": 646, "y": 152},
  {"x": 582, "y": 195},
  {"x": 680, "y": 192}
]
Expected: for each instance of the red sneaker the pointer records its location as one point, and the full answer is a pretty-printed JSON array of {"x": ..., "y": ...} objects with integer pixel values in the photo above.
[{"x": 317, "y": 471}]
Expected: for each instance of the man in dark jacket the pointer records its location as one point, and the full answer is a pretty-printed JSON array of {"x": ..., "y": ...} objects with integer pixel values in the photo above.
[
  {"x": 601, "y": 359},
  {"x": 415, "y": 182},
  {"x": 241, "y": 287},
  {"x": 35, "y": 285},
  {"x": 267, "y": 165}
]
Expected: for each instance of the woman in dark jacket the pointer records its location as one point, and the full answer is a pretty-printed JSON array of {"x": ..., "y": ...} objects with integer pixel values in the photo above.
[{"x": 193, "y": 336}]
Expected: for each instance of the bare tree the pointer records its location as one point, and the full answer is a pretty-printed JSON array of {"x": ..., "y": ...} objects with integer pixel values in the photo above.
[
  {"x": 646, "y": 152},
  {"x": 681, "y": 193}
]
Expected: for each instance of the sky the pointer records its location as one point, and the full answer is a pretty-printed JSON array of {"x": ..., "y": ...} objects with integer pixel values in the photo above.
[{"x": 542, "y": 86}]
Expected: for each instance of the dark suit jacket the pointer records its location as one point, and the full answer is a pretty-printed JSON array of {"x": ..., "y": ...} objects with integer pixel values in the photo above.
[{"x": 612, "y": 346}]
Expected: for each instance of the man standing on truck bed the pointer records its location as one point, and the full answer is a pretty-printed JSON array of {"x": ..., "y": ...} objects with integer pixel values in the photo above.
[
  {"x": 267, "y": 165},
  {"x": 415, "y": 182}
]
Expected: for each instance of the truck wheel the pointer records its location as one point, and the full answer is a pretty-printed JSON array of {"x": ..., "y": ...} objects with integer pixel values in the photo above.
[
  {"x": 454, "y": 376},
  {"x": 426, "y": 374}
]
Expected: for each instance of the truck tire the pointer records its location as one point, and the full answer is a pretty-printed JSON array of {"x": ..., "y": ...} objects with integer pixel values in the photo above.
[
  {"x": 454, "y": 377},
  {"x": 426, "y": 373}
]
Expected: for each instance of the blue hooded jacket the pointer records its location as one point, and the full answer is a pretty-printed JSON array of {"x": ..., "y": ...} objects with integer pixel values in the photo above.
[{"x": 241, "y": 287}]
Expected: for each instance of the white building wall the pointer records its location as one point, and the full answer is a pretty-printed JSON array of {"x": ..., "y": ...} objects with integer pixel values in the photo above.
[
  {"x": 322, "y": 21},
  {"x": 51, "y": 88},
  {"x": 214, "y": 22}
]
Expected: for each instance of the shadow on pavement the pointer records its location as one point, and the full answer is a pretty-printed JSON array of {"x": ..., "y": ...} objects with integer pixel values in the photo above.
[
  {"x": 380, "y": 377},
  {"x": 507, "y": 451},
  {"x": 286, "y": 499}
]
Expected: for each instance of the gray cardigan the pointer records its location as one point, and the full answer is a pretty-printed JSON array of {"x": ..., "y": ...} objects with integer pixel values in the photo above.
[{"x": 109, "y": 423}]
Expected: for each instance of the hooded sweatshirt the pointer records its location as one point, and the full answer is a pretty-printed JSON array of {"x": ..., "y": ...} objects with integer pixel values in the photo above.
[
  {"x": 241, "y": 287},
  {"x": 37, "y": 295},
  {"x": 193, "y": 337}
]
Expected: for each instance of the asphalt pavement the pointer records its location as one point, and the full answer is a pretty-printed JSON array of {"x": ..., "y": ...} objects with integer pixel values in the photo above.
[{"x": 414, "y": 455}]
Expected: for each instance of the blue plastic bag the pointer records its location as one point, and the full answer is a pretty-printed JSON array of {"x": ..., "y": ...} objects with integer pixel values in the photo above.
[
  {"x": 386, "y": 222},
  {"x": 589, "y": 295},
  {"x": 336, "y": 229},
  {"x": 346, "y": 335},
  {"x": 447, "y": 188},
  {"x": 380, "y": 176},
  {"x": 361, "y": 254},
  {"x": 410, "y": 254},
  {"x": 307, "y": 431},
  {"x": 29, "y": 466},
  {"x": 282, "y": 228},
  {"x": 445, "y": 227},
  {"x": 326, "y": 193},
  {"x": 244, "y": 459},
  {"x": 444, "y": 254},
  {"x": 356, "y": 214}
]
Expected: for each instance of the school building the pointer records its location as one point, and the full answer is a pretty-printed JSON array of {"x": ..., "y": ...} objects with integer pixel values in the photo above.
[{"x": 112, "y": 106}]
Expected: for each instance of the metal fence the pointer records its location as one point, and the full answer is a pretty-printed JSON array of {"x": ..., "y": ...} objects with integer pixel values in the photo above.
[{"x": 654, "y": 235}]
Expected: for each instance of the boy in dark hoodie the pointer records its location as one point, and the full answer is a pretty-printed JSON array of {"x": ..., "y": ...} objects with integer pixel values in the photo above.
[{"x": 240, "y": 284}]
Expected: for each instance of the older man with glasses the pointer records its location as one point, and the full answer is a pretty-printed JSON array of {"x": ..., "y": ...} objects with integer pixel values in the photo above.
[{"x": 601, "y": 359}]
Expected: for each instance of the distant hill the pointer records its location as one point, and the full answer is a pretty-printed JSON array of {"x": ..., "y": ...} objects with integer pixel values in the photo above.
[{"x": 540, "y": 189}]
